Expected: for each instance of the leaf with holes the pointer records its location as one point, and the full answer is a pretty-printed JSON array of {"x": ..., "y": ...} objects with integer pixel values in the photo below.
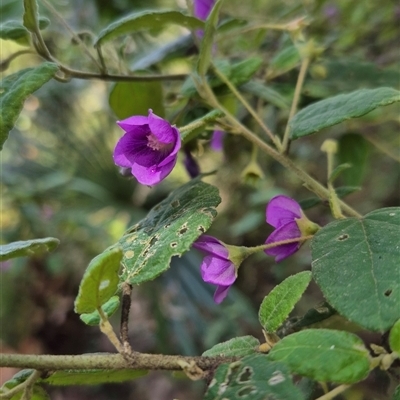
[
  {"x": 15, "y": 88},
  {"x": 254, "y": 377},
  {"x": 26, "y": 248},
  {"x": 99, "y": 282},
  {"x": 239, "y": 346},
  {"x": 277, "y": 306},
  {"x": 356, "y": 265},
  {"x": 324, "y": 355},
  {"x": 337, "y": 109},
  {"x": 169, "y": 230},
  {"x": 147, "y": 19}
]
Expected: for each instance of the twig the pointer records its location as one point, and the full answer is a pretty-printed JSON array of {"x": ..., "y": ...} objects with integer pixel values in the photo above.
[
  {"x": 73, "y": 34},
  {"x": 333, "y": 393},
  {"x": 296, "y": 97},
  {"x": 247, "y": 106},
  {"x": 110, "y": 361},
  {"x": 126, "y": 306}
]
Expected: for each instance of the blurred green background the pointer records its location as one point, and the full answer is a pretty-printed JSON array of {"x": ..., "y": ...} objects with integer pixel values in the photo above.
[{"x": 58, "y": 178}]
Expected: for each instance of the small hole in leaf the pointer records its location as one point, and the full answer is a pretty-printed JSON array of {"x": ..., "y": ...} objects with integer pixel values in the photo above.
[
  {"x": 388, "y": 292},
  {"x": 201, "y": 229},
  {"x": 245, "y": 376},
  {"x": 174, "y": 244},
  {"x": 246, "y": 391},
  {"x": 167, "y": 226},
  {"x": 276, "y": 378},
  {"x": 343, "y": 237},
  {"x": 153, "y": 240},
  {"x": 183, "y": 230}
]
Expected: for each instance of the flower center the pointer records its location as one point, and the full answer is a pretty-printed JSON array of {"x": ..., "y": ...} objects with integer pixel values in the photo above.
[{"x": 155, "y": 144}]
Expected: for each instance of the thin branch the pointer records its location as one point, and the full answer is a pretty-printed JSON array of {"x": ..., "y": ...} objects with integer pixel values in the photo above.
[
  {"x": 247, "y": 106},
  {"x": 309, "y": 182},
  {"x": 333, "y": 393},
  {"x": 110, "y": 361},
  {"x": 296, "y": 97},
  {"x": 72, "y": 33},
  {"x": 126, "y": 306}
]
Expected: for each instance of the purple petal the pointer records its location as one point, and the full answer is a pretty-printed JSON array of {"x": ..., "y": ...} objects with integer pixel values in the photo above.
[
  {"x": 162, "y": 129},
  {"x": 218, "y": 271},
  {"x": 221, "y": 293},
  {"x": 288, "y": 231},
  {"x": 282, "y": 210},
  {"x": 202, "y": 8},
  {"x": 152, "y": 175},
  {"x": 217, "y": 140},
  {"x": 128, "y": 123},
  {"x": 133, "y": 148},
  {"x": 212, "y": 246}
]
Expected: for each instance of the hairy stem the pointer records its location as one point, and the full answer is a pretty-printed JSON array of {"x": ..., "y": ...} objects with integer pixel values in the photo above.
[
  {"x": 109, "y": 361},
  {"x": 296, "y": 97},
  {"x": 250, "y": 109}
]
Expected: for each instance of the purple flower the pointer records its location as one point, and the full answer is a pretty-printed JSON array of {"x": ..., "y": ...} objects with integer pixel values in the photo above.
[
  {"x": 202, "y": 8},
  {"x": 216, "y": 268},
  {"x": 149, "y": 147},
  {"x": 217, "y": 140},
  {"x": 191, "y": 165},
  {"x": 282, "y": 214}
]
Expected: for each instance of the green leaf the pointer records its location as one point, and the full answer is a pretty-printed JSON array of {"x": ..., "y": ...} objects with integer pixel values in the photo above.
[
  {"x": 169, "y": 230},
  {"x": 332, "y": 111},
  {"x": 108, "y": 308},
  {"x": 356, "y": 265},
  {"x": 394, "y": 337},
  {"x": 92, "y": 377},
  {"x": 396, "y": 394},
  {"x": 254, "y": 377},
  {"x": 147, "y": 19},
  {"x": 277, "y": 306},
  {"x": 136, "y": 98},
  {"x": 266, "y": 93},
  {"x": 341, "y": 76},
  {"x": 315, "y": 316},
  {"x": 15, "y": 88},
  {"x": 38, "y": 392},
  {"x": 99, "y": 282},
  {"x": 341, "y": 191},
  {"x": 31, "y": 15},
  {"x": 324, "y": 355},
  {"x": 207, "y": 43},
  {"x": 243, "y": 71},
  {"x": 338, "y": 170},
  {"x": 287, "y": 59},
  {"x": 353, "y": 149},
  {"x": 27, "y": 248},
  {"x": 240, "y": 347},
  {"x": 14, "y": 30}
]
